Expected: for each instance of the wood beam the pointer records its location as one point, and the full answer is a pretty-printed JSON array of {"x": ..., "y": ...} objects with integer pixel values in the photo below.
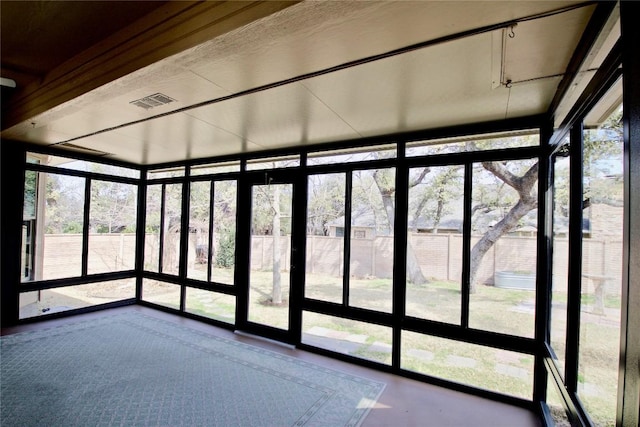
[{"x": 168, "y": 30}]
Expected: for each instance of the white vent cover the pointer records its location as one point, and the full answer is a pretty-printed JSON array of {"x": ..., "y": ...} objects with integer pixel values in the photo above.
[{"x": 151, "y": 101}]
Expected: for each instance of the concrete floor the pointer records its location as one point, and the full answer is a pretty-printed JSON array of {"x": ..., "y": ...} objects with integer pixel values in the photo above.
[{"x": 404, "y": 402}]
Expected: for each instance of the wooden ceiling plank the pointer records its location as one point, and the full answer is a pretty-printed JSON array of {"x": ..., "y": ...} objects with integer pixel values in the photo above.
[{"x": 165, "y": 32}]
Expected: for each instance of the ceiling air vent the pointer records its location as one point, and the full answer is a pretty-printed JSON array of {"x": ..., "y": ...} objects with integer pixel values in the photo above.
[{"x": 151, "y": 101}]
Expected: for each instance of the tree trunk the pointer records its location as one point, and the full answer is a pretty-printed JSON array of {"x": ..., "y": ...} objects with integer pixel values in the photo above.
[
  {"x": 414, "y": 273},
  {"x": 276, "y": 293},
  {"x": 492, "y": 235},
  {"x": 438, "y": 216}
]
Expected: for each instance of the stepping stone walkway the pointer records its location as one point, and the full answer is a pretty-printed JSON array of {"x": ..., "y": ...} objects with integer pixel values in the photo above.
[
  {"x": 424, "y": 355},
  {"x": 348, "y": 343},
  {"x": 461, "y": 362},
  {"x": 512, "y": 371},
  {"x": 343, "y": 342}
]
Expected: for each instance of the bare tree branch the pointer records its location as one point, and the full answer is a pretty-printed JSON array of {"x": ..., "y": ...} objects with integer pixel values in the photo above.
[{"x": 419, "y": 178}]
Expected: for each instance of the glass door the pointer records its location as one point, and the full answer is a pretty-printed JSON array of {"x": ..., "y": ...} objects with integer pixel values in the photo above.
[{"x": 271, "y": 250}]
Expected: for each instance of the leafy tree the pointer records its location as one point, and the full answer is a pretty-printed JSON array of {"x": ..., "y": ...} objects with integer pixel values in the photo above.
[
  {"x": 326, "y": 202},
  {"x": 172, "y": 227},
  {"x": 30, "y": 194},
  {"x": 272, "y": 203},
  {"x": 384, "y": 180},
  {"x": 64, "y": 201},
  {"x": 599, "y": 147},
  {"x": 524, "y": 184},
  {"x": 224, "y": 217},
  {"x": 225, "y": 254},
  {"x": 113, "y": 207},
  {"x": 432, "y": 198}
]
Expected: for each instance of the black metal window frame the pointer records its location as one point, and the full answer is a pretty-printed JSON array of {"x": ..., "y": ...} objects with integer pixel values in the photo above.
[
  {"x": 395, "y": 320},
  {"x": 84, "y": 277},
  {"x": 545, "y": 367},
  {"x": 620, "y": 64}
]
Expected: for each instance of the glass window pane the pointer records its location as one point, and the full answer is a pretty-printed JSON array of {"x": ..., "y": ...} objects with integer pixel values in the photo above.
[
  {"x": 214, "y": 168},
  {"x": 559, "y": 283},
  {"x": 371, "y": 255},
  {"x": 434, "y": 243},
  {"x": 30, "y": 226},
  {"x": 30, "y": 195},
  {"x": 602, "y": 246},
  {"x": 161, "y": 293},
  {"x": 165, "y": 173},
  {"x": 274, "y": 163},
  {"x": 224, "y": 231},
  {"x": 112, "y": 227},
  {"x": 351, "y": 337},
  {"x": 501, "y": 371},
  {"x": 212, "y": 305},
  {"x": 60, "y": 253},
  {"x": 269, "y": 280},
  {"x": 554, "y": 402},
  {"x": 198, "y": 254},
  {"x": 172, "y": 227},
  {"x": 349, "y": 155},
  {"x": 503, "y": 247},
  {"x": 48, "y": 301},
  {"x": 85, "y": 166},
  {"x": 152, "y": 228},
  {"x": 325, "y": 239},
  {"x": 524, "y": 138}
]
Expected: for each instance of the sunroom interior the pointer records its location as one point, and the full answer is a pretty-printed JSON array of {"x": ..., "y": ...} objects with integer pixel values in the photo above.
[{"x": 445, "y": 191}]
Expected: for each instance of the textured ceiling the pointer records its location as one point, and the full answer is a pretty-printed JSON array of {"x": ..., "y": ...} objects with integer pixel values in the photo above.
[{"x": 228, "y": 98}]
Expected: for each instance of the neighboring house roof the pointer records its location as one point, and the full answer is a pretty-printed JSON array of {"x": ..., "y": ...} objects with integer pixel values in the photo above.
[
  {"x": 605, "y": 220},
  {"x": 358, "y": 219},
  {"x": 446, "y": 223}
]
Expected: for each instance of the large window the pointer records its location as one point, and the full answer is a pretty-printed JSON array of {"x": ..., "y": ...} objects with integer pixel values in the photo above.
[
  {"x": 464, "y": 309},
  {"x": 79, "y": 219},
  {"x": 325, "y": 237},
  {"x": 601, "y": 269},
  {"x": 60, "y": 244},
  {"x": 560, "y": 260},
  {"x": 212, "y": 231},
  {"x": 501, "y": 371},
  {"x": 65, "y": 298},
  {"x": 163, "y": 227},
  {"x": 371, "y": 254},
  {"x": 434, "y": 243},
  {"x": 586, "y": 297},
  {"x": 152, "y": 228},
  {"x": 112, "y": 226},
  {"x": 503, "y": 252}
]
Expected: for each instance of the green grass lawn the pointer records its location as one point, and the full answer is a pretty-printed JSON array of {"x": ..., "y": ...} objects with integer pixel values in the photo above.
[{"x": 492, "y": 309}]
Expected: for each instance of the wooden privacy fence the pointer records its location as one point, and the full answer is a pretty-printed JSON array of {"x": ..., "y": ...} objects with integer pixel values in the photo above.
[{"x": 439, "y": 256}]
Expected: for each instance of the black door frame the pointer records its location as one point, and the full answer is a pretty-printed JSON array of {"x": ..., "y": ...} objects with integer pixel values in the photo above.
[{"x": 295, "y": 177}]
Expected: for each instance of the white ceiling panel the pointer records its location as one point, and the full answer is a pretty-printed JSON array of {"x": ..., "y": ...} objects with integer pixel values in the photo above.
[
  {"x": 413, "y": 90},
  {"x": 44, "y": 134},
  {"x": 181, "y": 136},
  {"x": 451, "y": 83},
  {"x": 284, "y": 116},
  {"x": 315, "y": 35},
  {"x": 528, "y": 97},
  {"x": 185, "y": 89},
  {"x": 111, "y": 143},
  {"x": 543, "y": 47}
]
